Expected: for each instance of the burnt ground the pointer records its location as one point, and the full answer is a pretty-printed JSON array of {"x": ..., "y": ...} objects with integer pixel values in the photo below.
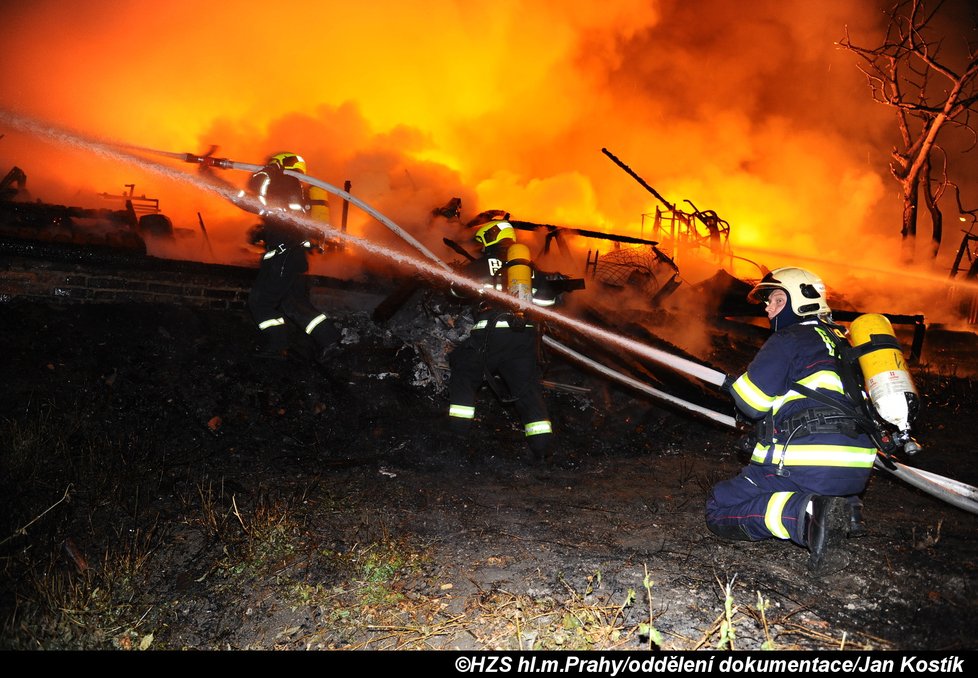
[{"x": 165, "y": 489}]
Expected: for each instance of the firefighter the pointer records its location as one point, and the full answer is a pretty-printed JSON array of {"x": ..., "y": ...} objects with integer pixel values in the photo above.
[
  {"x": 809, "y": 463},
  {"x": 502, "y": 346},
  {"x": 279, "y": 292}
]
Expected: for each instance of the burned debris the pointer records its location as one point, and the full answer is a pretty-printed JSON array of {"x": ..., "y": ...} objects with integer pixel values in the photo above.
[{"x": 126, "y": 227}]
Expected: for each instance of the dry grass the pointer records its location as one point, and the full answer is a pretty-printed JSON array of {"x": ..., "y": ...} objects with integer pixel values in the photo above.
[{"x": 70, "y": 584}]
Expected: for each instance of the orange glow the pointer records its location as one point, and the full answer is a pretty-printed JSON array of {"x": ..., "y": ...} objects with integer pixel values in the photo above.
[{"x": 746, "y": 110}]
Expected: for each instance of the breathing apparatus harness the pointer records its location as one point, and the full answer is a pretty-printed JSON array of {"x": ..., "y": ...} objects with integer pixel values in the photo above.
[{"x": 849, "y": 418}]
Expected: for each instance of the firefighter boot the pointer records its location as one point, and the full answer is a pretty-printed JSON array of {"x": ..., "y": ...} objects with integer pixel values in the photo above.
[
  {"x": 274, "y": 343},
  {"x": 541, "y": 452},
  {"x": 826, "y": 530},
  {"x": 857, "y": 527}
]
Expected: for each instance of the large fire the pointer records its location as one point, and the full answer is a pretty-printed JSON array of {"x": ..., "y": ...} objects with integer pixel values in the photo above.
[{"x": 748, "y": 109}]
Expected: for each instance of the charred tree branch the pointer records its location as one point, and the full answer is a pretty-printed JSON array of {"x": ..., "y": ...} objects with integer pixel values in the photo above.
[{"x": 901, "y": 74}]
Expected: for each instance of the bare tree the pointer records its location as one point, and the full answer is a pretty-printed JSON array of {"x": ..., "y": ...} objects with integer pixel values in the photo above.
[{"x": 930, "y": 86}]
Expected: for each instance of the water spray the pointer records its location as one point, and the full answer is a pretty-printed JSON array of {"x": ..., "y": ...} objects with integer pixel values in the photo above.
[{"x": 876, "y": 272}]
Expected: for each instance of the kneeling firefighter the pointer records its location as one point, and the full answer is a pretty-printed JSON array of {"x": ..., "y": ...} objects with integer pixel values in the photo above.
[
  {"x": 810, "y": 460},
  {"x": 502, "y": 346}
]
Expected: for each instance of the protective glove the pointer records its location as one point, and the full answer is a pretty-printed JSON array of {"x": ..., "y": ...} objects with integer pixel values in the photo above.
[{"x": 748, "y": 433}]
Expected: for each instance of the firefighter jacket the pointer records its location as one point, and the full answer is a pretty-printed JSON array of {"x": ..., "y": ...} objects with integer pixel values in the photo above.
[
  {"x": 281, "y": 196},
  {"x": 489, "y": 272},
  {"x": 796, "y": 429}
]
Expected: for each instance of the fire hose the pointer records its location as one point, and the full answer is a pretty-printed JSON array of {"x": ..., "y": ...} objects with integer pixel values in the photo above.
[{"x": 956, "y": 493}]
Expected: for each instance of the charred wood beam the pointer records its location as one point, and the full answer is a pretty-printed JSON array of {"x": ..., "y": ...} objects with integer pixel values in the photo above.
[
  {"x": 551, "y": 229},
  {"x": 639, "y": 179}
]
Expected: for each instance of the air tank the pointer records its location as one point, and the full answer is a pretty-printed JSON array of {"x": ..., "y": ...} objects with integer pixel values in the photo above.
[
  {"x": 519, "y": 274},
  {"x": 318, "y": 204},
  {"x": 888, "y": 382}
]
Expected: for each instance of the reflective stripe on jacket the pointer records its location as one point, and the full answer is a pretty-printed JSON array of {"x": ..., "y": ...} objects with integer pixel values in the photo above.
[{"x": 803, "y": 353}]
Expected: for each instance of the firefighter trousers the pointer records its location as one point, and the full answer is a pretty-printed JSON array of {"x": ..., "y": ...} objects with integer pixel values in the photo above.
[
  {"x": 280, "y": 293},
  {"x": 511, "y": 354},
  {"x": 760, "y": 504}
]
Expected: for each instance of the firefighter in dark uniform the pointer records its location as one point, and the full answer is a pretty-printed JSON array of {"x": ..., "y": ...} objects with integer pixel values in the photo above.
[
  {"x": 279, "y": 292},
  {"x": 502, "y": 345},
  {"x": 807, "y": 460}
]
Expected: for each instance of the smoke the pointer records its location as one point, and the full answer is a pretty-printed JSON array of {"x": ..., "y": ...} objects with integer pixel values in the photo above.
[{"x": 747, "y": 109}]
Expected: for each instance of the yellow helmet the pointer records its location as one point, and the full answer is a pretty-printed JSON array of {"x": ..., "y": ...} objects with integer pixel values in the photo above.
[
  {"x": 495, "y": 231},
  {"x": 806, "y": 291},
  {"x": 289, "y": 161}
]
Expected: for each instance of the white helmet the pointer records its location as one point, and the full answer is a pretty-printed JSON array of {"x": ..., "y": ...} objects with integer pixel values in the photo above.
[{"x": 806, "y": 291}]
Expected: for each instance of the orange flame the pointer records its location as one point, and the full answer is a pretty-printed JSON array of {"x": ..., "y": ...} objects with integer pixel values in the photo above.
[{"x": 747, "y": 110}]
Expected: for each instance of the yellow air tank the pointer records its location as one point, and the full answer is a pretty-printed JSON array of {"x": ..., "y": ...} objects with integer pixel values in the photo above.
[
  {"x": 519, "y": 275},
  {"x": 888, "y": 383},
  {"x": 318, "y": 204}
]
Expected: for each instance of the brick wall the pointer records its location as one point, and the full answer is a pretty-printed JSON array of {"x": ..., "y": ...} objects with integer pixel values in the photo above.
[{"x": 69, "y": 274}]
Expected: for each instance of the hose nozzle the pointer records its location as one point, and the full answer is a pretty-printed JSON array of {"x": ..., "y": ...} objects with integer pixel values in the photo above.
[{"x": 208, "y": 161}]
